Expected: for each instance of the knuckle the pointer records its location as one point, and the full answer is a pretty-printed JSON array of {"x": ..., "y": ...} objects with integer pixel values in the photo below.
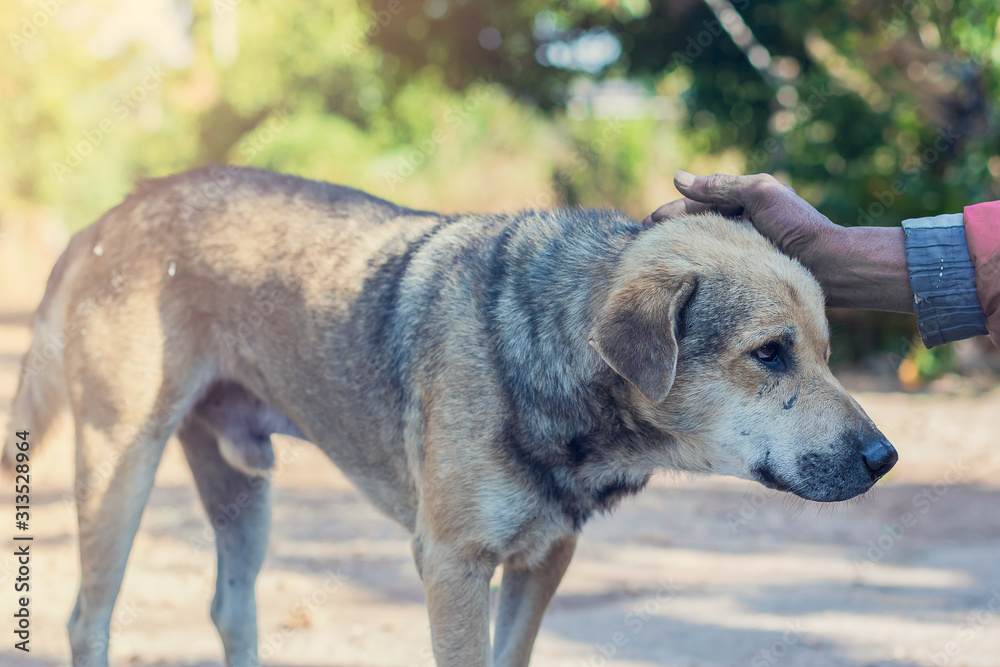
[
  {"x": 764, "y": 188},
  {"x": 765, "y": 182}
]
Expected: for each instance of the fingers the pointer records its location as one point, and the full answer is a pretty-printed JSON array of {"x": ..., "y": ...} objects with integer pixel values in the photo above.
[
  {"x": 715, "y": 189},
  {"x": 688, "y": 207},
  {"x": 747, "y": 192},
  {"x": 732, "y": 196}
]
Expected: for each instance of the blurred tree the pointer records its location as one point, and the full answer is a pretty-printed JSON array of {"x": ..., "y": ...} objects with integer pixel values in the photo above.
[{"x": 863, "y": 105}]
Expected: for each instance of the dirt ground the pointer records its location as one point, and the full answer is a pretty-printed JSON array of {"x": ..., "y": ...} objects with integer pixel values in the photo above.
[{"x": 702, "y": 571}]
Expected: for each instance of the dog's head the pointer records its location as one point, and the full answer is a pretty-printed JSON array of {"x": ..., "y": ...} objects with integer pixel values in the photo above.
[{"x": 724, "y": 344}]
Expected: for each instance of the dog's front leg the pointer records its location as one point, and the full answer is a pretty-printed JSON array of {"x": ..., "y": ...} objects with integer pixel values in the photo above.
[
  {"x": 457, "y": 588},
  {"x": 524, "y": 595}
]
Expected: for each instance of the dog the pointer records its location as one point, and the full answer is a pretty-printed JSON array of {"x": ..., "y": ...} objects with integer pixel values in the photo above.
[{"x": 488, "y": 381}]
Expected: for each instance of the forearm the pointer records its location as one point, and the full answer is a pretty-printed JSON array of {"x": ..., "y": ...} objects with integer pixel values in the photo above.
[{"x": 864, "y": 267}]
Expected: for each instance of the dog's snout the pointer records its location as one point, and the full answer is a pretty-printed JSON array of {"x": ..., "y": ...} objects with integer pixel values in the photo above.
[{"x": 879, "y": 456}]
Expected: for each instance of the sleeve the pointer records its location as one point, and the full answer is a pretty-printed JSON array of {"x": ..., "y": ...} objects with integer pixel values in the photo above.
[
  {"x": 943, "y": 280},
  {"x": 982, "y": 229}
]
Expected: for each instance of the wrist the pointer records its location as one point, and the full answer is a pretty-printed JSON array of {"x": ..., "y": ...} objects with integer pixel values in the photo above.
[{"x": 824, "y": 255}]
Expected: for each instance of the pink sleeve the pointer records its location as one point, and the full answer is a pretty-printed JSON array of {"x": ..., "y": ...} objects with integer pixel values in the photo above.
[{"x": 982, "y": 231}]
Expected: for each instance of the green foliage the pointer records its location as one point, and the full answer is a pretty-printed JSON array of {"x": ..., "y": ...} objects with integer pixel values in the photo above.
[{"x": 932, "y": 363}]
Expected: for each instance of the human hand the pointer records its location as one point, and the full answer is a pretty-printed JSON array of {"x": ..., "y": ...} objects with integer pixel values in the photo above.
[
  {"x": 858, "y": 267},
  {"x": 795, "y": 227}
]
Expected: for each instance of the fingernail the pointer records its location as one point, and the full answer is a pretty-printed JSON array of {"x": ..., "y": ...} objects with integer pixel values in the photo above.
[{"x": 683, "y": 178}]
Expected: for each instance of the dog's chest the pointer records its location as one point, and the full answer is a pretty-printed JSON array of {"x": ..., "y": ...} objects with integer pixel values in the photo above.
[{"x": 520, "y": 527}]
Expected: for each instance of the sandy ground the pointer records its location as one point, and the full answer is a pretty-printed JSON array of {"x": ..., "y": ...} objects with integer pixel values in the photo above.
[{"x": 691, "y": 572}]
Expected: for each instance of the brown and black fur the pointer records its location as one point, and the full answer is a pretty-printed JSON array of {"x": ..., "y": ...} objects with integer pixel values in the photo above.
[{"x": 490, "y": 382}]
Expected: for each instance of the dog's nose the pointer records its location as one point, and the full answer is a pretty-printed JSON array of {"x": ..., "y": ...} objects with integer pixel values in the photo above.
[{"x": 879, "y": 456}]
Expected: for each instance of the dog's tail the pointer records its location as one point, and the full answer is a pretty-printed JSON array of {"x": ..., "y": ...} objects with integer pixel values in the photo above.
[{"x": 41, "y": 402}]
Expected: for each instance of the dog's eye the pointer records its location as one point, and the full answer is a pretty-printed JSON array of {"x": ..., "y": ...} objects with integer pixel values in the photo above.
[{"x": 767, "y": 354}]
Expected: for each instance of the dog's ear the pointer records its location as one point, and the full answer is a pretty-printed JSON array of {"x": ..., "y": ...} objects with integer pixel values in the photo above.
[{"x": 637, "y": 333}]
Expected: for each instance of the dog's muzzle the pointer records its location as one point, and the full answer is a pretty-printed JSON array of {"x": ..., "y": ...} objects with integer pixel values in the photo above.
[{"x": 834, "y": 472}]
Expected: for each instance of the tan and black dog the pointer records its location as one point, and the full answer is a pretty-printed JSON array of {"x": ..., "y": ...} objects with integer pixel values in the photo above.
[{"x": 489, "y": 382}]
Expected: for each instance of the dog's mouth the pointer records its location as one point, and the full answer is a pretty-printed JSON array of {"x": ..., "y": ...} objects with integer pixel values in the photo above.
[
  {"x": 767, "y": 477},
  {"x": 837, "y": 488}
]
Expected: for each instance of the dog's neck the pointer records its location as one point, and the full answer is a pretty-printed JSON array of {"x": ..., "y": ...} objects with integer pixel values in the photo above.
[{"x": 570, "y": 422}]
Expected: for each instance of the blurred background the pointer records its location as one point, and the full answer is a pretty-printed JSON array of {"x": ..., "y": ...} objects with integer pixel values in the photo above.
[{"x": 873, "y": 110}]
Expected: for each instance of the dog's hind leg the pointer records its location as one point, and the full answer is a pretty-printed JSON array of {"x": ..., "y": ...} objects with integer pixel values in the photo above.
[
  {"x": 524, "y": 595},
  {"x": 239, "y": 509},
  {"x": 116, "y": 461}
]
